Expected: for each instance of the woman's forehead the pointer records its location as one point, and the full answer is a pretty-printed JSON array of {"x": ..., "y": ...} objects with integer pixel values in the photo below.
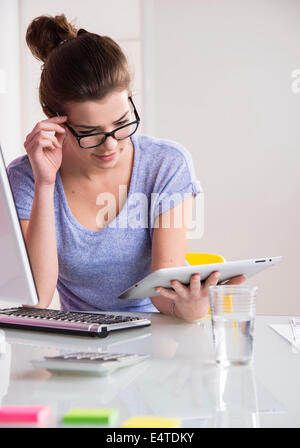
[{"x": 97, "y": 113}]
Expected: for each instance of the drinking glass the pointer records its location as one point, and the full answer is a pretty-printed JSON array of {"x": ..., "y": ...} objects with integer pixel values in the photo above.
[{"x": 232, "y": 315}]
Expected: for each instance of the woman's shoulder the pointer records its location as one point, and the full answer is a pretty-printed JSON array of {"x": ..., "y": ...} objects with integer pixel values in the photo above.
[
  {"x": 21, "y": 163},
  {"x": 160, "y": 157},
  {"x": 20, "y": 168}
]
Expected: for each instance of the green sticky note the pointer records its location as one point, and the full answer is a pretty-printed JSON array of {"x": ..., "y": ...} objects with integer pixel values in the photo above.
[{"x": 80, "y": 416}]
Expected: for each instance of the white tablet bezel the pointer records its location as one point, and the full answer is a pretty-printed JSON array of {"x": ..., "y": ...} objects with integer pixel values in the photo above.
[{"x": 163, "y": 277}]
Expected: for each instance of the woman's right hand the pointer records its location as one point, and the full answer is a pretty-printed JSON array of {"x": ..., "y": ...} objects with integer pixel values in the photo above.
[{"x": 45, "y": 150}]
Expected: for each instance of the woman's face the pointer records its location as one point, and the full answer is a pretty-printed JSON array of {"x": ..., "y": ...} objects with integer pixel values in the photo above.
[{"x": 99, "y": 116}]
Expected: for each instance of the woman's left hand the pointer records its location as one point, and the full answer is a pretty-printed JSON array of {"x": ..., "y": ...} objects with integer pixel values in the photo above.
[{"x": 192, "y": 302}]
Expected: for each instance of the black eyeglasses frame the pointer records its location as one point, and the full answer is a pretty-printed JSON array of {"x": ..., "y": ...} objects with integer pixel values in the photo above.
[{"x": 105, "y": 134}]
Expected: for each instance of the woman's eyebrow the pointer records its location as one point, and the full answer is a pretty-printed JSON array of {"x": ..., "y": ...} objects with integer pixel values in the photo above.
[{"x": 97, "y": 127}]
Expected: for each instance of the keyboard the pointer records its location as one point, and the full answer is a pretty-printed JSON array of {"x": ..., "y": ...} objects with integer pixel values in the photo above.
[{"x": 68, "y": 322}]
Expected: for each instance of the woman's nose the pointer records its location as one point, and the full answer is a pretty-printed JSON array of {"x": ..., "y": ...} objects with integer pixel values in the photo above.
[{"x": 110, "y": 143}]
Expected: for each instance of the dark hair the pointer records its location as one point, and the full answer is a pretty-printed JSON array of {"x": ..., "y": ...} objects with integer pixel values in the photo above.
[{"x": 78, "y": 65}]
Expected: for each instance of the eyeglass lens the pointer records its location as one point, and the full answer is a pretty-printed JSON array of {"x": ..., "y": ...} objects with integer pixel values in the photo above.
[{"x": 121, "y": 134}]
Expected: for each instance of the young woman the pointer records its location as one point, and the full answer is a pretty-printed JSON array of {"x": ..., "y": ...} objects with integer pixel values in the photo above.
[{"x": 85, "y": 169}]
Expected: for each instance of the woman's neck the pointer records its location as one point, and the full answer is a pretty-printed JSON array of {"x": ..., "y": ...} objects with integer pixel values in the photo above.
[{"x": 74, "y": 167}]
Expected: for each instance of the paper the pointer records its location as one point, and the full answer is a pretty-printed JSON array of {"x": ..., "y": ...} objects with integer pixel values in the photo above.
[{"x": 285, "y": 331}]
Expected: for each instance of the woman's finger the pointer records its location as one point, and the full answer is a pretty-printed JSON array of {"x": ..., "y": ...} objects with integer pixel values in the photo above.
[
  {"x": 45, "y": 136},
  {"x": 212, "y": 280},
  {"x": 60, "y": 138},
  {"x": 166, "y": 293},
  {"x": 42, "y": 143},
  {"x": 181, "y": 290},
  {"x": 195, "y": 285},
  {"x": 47, "y": 125},
  {"x": 237, "y": 280}
]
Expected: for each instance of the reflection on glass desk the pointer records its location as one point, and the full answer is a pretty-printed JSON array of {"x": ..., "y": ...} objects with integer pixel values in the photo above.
[{"x": 180, "y": 379}]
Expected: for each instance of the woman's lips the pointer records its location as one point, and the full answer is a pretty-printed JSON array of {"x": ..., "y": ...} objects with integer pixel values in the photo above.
[{"x": 107, "y": 157}]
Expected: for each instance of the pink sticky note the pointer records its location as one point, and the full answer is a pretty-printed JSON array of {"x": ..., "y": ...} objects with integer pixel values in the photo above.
[{"x": 25, "y": 414}]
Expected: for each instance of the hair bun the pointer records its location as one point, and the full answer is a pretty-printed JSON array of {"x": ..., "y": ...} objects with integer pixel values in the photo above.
[
  {"x": 81, "y": 31},
  {"x": 45, "y": 33}
]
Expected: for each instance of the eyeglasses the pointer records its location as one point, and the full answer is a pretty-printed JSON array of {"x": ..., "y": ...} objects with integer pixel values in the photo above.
[{"x": 97, "y": 139}]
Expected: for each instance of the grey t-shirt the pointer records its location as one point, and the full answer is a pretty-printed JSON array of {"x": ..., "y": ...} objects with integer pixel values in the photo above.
[{"x": 95, "y": 266}]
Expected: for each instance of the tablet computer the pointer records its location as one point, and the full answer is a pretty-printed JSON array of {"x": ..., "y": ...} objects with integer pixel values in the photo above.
[{"x": 163, "y": 277}]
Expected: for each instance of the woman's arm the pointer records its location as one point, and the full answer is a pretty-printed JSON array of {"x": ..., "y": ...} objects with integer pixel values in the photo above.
[
  {"x": 40, "y": 238},
  {"x": 45, "y": 154},
  {"x": 169, "y": 247}
]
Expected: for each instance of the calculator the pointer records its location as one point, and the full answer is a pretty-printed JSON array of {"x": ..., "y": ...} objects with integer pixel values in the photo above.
[{"x": 87, "y": 362}]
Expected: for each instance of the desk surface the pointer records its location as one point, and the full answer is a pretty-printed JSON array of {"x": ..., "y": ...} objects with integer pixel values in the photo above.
[{"x": 179, "y": 380}]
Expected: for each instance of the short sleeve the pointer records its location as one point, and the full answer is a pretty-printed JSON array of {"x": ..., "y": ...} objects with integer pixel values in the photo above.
[
  {"x": 177, "y": 181},
  {"x": 21, "y": 181}
]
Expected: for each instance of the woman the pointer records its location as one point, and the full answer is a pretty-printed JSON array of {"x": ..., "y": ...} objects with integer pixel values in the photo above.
[{"x": 84, "y": 168}]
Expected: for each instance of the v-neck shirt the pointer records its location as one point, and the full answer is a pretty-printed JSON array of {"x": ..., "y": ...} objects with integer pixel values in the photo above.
[{"x": 95, "y": 266}]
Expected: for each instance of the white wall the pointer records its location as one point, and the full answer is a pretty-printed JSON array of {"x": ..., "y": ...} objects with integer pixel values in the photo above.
[
  {"x": 218, "y": 80},
  {"x": 10, "y": 135}
]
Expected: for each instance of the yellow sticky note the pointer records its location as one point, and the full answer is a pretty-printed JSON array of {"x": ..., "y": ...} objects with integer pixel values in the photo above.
[{"x": 151, "y": 422}]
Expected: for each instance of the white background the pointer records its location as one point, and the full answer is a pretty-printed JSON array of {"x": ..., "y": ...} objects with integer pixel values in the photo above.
[
  {"x": 215, "y": 76},
  {"x": 221, "y": 73}
]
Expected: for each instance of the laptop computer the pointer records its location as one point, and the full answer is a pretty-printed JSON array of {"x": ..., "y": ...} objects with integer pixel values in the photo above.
[{"x": 17, "y": 286}]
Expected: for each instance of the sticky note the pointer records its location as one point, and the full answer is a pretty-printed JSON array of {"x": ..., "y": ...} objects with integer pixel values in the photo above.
[
  {"x": 90, "y": 416},
  {"x": 151, "y": 422},
  {"x": 25, "y": 414}
]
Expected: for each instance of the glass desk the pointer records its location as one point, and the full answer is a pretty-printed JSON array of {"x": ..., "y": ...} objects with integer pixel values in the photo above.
[{"x": 180, "y": 379}]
